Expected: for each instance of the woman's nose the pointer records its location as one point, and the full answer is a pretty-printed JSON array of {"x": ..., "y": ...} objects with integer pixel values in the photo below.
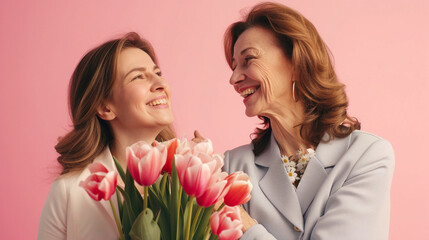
[
  {"x": 159, "y": 83},
  {"x": 236, "y": 77}
]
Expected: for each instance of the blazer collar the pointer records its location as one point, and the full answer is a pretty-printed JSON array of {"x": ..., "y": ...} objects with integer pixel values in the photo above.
[
  {"x": 285, "y": 198},
  {"x": 329, "y": 152},
  {"x": 293, "y": 204},
  {"x": 107, "y": 160}
]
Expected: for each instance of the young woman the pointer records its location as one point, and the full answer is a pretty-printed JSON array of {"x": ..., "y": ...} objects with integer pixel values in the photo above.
[{"x": 117, "y": 97}]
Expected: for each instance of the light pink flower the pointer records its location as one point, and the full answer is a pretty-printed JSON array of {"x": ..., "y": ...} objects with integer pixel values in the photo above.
[
  {"x": 194, "y": 175},
  {"x": 226, "y": 223},
  {"x": 203, "y": 147},
  {"x": 216, "y": 190},
  {"x": 101, "y": 184},
  {"x": 145, "y": 162},
  {"x": 185, "y": 147},
  {"x": 239, "y": 191}
]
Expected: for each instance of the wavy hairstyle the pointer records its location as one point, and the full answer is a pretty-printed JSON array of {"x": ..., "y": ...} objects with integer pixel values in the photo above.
[
  {"x": 317, "y": 86},
  {"x": 90, "y": 85}
]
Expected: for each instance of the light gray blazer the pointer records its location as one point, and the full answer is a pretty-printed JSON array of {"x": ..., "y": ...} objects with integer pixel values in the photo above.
[{"x": 344, "y": 193}]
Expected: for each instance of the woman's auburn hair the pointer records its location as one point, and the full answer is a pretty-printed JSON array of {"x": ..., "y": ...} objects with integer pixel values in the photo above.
[
  {"x": 90, "y": 85},
  {"x": 316, "y": 83}
]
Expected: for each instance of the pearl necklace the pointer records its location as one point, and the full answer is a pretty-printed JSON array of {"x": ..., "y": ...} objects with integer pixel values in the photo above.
[{"x": 295, "y": 165}]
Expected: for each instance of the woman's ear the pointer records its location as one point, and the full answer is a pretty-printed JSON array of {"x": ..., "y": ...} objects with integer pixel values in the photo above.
[{"x": 106, "y": 113}]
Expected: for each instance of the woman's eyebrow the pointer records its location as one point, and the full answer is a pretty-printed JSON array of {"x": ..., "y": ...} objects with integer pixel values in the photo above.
[
  {"x": 134, "y": 69},
  {"x": 244, "y": 51}
]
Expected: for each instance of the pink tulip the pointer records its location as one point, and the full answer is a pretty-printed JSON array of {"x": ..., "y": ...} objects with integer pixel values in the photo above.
[
  {"x": 171, "y": 150},
  {"x": 240, "y": 188},
  {"x": 203, "y": 147},
  {"x": 101, "y": 184},
  {"x": 226, "y": 223},
  {"x": 215, "y": 190},
  {"x": 185, "y": 147},
  {"x": 145, "y": 162},
  {"x": 194, "y": 175},
  {"x": 219, "y": 162}
]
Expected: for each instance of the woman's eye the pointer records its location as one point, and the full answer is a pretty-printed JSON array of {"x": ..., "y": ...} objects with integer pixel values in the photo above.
[
  {"x": 248, "y": 58},
  {"x": 140, "y": 76}
]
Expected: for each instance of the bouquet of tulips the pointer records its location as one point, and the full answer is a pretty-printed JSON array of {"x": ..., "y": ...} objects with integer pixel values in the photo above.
[{"x": 182, "y": 183}]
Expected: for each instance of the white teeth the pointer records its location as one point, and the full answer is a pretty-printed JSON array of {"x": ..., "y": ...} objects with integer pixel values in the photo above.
[
  {"x": 158, "y": 102},
  {"x": 247, "y": 92}
]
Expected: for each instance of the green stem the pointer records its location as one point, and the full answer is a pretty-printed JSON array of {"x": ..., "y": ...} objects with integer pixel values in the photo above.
[
  {"x": 146, "y": 189},
  {"x": 163, "y": 183},
  {"x": 118, "y": 225},
  {"x": 188, "y": 224},
  {"x": 221, "y": 206},
  {"x": 207, "y": 231},
  {"x": 179, "y": 202},
  {"x": 194, "y": 223},
  {"x": 213, "y": 237}
]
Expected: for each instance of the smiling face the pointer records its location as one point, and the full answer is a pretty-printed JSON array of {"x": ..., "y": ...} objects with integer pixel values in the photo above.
[
  {"x": 140, "y": 99},
  {"x": 262, "y": 74}
]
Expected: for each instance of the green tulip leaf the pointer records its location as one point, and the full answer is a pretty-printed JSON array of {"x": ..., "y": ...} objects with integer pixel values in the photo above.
[
  {"x": 160, "y": 208},
  {"x": 203, "y": 223},
  {"x": 145, "y": 228},
  {"x": 128, "y": 215},
  {"x": 120, "y": 170},
  {"x": 133, "y": 193},
  {"x": 119, "y": 200}
]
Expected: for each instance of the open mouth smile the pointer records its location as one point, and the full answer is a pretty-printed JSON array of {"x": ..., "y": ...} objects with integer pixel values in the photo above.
[
  {"x": 248, "y": 91},
  {"x": 157, "y": 102}
]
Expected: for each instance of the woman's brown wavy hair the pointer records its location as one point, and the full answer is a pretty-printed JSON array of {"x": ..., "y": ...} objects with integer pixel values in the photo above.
[
  {"x": 90, "y": 85},
  {"x": 316, "y": 83}
]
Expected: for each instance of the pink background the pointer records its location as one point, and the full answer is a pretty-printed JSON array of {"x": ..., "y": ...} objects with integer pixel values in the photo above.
[{"x": 381, "y": 51}]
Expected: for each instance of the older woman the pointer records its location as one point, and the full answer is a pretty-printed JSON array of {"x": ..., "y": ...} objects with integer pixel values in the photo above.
[
  {"x": 117, "y": 97},
  {"x": 315, "y": 174}
]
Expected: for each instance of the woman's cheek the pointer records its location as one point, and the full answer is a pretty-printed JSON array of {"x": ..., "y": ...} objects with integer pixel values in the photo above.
[{"x": 267, "y": 86}]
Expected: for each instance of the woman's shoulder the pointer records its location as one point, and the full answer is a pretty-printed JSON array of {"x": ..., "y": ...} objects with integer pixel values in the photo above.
[
  {"x": 243, "y": 151},
  {"x": 357, "y": 138},
  {"x": 238, "y": 158},
  {"x": 64, "y": 183},
  {"x": 366, "y": 149},
  {"x": 357, "y": 144},
  {"x": 370, "y": 137},
  {"x": 367, "y": 140},
  {"x": 371, "y": 145}
]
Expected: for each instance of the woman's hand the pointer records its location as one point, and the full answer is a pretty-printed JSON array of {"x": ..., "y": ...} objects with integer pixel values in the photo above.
[
  {"x": 197, "y": 137},
  {"x": 246, "y": 219}
]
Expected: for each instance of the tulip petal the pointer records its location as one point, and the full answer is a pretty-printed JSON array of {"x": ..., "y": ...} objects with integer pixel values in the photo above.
[
  {"x": 230, "y": 234},
  {"x": 226, "y": 223},
  {"x": 100, "y": 185}
]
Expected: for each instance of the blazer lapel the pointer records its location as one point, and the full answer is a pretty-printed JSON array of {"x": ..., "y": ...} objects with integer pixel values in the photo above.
[
  {"x": 284, "y": 198},
  {"x": 311, "y": 181},
  {"x": 326, "y": 156}
]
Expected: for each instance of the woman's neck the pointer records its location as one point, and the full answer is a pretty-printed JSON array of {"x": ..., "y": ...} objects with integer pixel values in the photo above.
[
  {"x": 285, "y": 130},
  {"x": 288, "y": 137}
]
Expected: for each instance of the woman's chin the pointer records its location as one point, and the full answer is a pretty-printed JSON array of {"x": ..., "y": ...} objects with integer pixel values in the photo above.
[
  {"x": 165, "y": 121},
  {"x": 251, "y": 112}
]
